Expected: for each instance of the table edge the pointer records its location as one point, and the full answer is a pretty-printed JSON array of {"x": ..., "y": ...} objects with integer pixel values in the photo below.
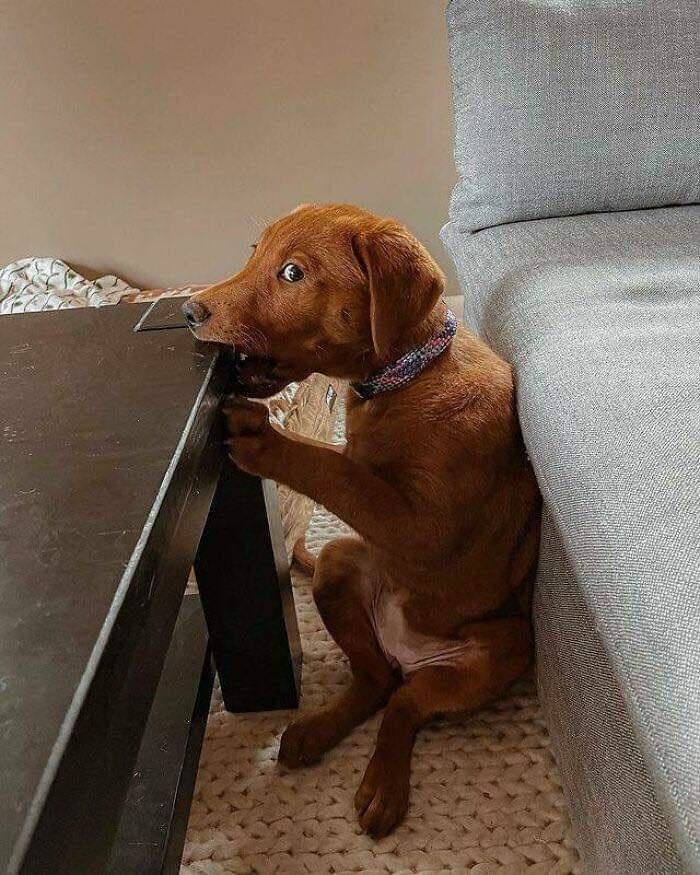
[{"x": 48, "y": 775}]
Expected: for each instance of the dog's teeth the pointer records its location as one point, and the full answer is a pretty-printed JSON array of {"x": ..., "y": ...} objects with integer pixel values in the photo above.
[{"x": 242, "y": 356}]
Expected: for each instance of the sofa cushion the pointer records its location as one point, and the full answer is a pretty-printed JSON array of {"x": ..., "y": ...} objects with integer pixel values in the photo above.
[
  {"x": 600, "y": 316},
  {"x": 569, "y": 107}
]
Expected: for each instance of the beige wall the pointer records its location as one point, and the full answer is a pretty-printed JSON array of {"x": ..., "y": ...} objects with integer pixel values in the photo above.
[{"x": 152, "y": 139}]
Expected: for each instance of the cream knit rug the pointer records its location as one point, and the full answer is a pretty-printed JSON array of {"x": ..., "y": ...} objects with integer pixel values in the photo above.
[{"x": 485, "y": 796}]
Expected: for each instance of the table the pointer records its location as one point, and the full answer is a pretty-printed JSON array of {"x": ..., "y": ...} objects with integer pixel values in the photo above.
[{"x": 112, "y": 482}]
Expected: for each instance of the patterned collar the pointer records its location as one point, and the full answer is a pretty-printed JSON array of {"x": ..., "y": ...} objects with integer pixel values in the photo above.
[{"x": 405, "y": 369}]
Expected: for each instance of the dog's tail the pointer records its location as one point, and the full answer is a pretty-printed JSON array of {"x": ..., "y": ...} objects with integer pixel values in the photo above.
[{"x": 303, "y": 557}]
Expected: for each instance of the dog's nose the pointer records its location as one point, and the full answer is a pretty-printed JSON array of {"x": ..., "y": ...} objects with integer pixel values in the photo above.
[{"x": 196, "y": 314}]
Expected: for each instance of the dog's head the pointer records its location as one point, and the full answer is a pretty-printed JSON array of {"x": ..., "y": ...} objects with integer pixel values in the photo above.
[{"x": 330, "y": 288}]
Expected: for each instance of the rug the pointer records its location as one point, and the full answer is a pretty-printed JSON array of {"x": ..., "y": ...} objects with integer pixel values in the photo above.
[{"x": 485, "y": 794}]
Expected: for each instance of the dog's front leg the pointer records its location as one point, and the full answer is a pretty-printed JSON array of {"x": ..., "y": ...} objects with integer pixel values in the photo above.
[{"x": 363, "y": 500}]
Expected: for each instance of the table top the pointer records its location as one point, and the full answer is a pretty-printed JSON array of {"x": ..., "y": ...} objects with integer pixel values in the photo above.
[{"x": 94, "y": 418}]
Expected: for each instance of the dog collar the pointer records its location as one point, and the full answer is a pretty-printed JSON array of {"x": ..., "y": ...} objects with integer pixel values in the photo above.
[{"x": 405, "y": 369}]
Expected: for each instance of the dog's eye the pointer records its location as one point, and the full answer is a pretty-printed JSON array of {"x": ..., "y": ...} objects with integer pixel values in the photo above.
[{"x": 291, "y": 273}]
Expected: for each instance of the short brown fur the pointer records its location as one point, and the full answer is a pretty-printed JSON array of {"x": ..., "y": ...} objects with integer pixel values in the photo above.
[{"x": 434, "y": 477}]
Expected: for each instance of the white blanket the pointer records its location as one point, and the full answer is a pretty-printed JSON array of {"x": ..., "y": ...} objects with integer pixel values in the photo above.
[{"x": 34, "y": 284}]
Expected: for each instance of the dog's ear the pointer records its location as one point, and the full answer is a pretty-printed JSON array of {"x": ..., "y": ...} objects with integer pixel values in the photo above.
[{"x": 403, "y": 279}]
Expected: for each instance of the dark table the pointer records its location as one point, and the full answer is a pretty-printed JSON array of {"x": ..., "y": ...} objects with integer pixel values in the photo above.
[{"x": 112, "y": 483}]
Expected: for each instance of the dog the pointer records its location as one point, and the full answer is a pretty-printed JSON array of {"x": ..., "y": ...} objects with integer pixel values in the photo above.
[{"x": 430, "y": 600}]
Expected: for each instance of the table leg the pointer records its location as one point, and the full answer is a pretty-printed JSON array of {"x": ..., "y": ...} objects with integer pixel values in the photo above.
[{"x": 243, "y": 577}]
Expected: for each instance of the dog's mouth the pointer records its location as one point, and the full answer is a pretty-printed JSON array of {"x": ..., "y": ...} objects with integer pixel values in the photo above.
[{"x": 255, "y": 376}]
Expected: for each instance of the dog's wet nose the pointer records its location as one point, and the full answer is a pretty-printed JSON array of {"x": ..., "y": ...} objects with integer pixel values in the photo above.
[{"x": 196, "y": 314}]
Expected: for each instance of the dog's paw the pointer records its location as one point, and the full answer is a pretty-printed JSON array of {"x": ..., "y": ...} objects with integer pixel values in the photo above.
[
  {"x": 245, "y": 418},
  {"x": 381, "y": 801},
  {"x": 306, "y": 740},
  {"x": 252, "y": 439}
]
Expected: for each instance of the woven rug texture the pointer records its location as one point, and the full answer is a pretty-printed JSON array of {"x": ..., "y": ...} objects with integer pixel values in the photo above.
[{"x": 486, "y": 795}]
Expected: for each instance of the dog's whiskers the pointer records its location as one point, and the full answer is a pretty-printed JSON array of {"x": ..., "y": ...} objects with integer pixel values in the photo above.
[
  {"x": 254, "y": 338},
  {"x": 260, "y": 340}
]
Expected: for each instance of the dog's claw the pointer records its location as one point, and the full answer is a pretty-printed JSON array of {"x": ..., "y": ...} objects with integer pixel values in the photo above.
[
  {"x": 306, "y": 740},
  {"x": 297, "y": 747},
  {"x": 381, "y": 800}
]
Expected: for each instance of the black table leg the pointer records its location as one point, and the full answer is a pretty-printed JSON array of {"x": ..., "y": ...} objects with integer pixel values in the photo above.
[
  {"x": 243, "y": 577},
  {"x": 152, "y": 830}
]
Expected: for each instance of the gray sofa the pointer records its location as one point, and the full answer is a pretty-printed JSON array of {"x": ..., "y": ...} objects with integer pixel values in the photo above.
[{"x": 575, "y": 231}]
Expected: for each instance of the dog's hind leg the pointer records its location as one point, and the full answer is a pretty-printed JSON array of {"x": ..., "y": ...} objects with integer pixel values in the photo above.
[
  {"x": 496, "y": 653},
  {"x": 341, "y": 590}
]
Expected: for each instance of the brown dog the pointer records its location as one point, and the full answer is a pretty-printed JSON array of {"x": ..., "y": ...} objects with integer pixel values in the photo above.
[{"x": 430, "y": 602}]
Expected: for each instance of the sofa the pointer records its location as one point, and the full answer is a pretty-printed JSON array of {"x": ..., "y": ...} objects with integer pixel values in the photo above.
[{"x": 575, "y": 233}]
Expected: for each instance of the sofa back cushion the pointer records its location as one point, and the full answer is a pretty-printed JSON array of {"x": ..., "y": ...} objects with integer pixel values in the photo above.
[{"x": 573, "y": 106}]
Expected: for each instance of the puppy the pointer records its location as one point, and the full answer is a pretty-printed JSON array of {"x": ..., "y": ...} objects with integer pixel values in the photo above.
[{"x": 430, "y": 601}]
